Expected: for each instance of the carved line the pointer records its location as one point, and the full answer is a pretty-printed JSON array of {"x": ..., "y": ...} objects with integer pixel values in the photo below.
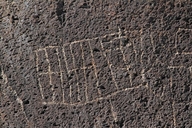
[
  {"x": 84, "y": 40},
  {"x": 109, "y": 50},
  {"x": 66, "y": 65},
  {"x": 190, "y": 70},
  {"x": 45, "y": 73},
  {"x": 121, "y": 49},
  {"x": 37, "y": 69},
  {"x": 87, "y": 40},
  {"x": 135, "y": 51},
  {"x": 173, "y": 104},
  {"x": 186, "y": 29},
  {"x": 65, "y": 59},
  {"x": 152, "y": 42},
  {"x": 61, "y": 74},
  {"x": 175, "y": 67},
  {"x": 109, "y": 64},
  {"x": 78, "y": 97},
  {"x": 95, "y": 69},
  {"x": 47, "y": 47},
  {"x": 5, "y": 80},
  {"x": 86, "y": 88},
  {"x": 49, "y": 73},
  {"x": 114, "y": 114},
  {"x": 95, "y": 100},
  {"x": 143, "y": 70},
  {"x": 83, "y": 68},
  {"x": 162, "y": 94},
  {"x": 173, "y": 110}
]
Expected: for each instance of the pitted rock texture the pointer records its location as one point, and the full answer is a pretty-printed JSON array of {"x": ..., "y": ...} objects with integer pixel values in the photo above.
[{"x": 95, "y": 63}]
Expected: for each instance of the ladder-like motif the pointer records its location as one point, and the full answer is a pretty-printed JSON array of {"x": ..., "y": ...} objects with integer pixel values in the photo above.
[
  {"x": 84, "y": 71},
  {"x": 89, "y": 70}
]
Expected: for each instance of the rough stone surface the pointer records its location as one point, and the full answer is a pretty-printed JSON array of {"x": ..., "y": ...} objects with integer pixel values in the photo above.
[{"x": 95, "y": 63}]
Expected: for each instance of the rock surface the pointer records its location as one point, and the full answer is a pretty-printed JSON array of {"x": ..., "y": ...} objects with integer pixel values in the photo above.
[{"x": 95, "y": 63}]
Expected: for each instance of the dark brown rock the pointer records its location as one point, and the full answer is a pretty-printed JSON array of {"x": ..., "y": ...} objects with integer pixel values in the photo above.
[{"x": 95, "y": 63}]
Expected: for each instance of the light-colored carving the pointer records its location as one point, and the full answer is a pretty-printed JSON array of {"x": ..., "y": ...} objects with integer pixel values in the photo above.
[
  {"x": 173, "y": 67},
  {"x": 86, "y": 89},
  {"x": 173, "y": 105},
  {"x": 65, "y": 58},
  {"x": 95, "y": 69},
  {"x": 121, "y": 49},
  {"x": 5, "y": 80},
  {"x": 49, "y": 73},
  {"x": 77, "y": 84},
  {"x": 37, "y": 69},
  {"x": 93, "y": 65},
  {"x": 152, "y": 42},
  {"x": 174, "y": 114},
  {"x": 114, "y": 114},
  {"x": 109, "y": 65},
  {"x": 96, "y": 99},
  {"x": 61, "y": 74}
]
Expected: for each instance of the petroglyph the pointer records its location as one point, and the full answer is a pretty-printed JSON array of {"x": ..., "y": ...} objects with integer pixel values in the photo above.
[
  {"x": 93, "y": 60},
  {"x": 96, "y": 63}
]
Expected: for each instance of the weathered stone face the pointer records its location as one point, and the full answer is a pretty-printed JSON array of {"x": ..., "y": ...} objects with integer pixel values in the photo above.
[
  {"x": 95, "y": 63},
  {"x": 68, "y": 68}
]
